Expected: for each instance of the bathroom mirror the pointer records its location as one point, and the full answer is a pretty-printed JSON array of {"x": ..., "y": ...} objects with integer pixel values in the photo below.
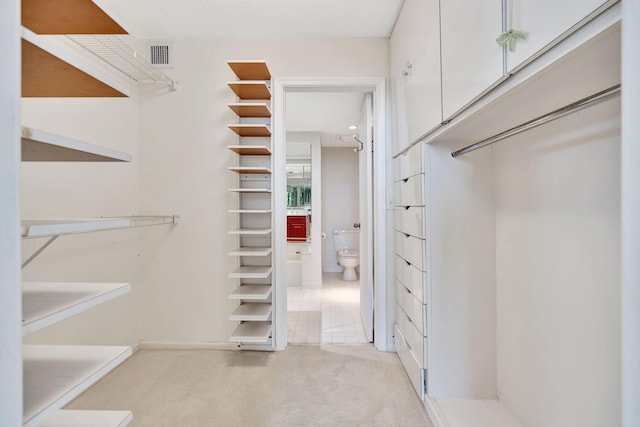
[{"x": 299, "y": 177}]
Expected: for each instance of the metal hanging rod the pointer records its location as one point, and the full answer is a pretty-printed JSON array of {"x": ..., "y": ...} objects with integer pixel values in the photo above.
[{"x": 546, "y": 118}]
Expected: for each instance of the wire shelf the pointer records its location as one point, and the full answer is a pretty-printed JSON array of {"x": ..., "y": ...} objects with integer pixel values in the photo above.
[{"x": 116, "y": 52}]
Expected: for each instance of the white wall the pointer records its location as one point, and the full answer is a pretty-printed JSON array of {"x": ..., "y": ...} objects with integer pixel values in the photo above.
[
  {"x": 183, "y": 163},
  {"x": 340, "y": 203},
  {"x": 558, "y": 270}
]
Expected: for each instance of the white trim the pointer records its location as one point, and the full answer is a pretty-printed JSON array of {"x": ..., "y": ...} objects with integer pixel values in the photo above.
[
  {"x": 376, "y": 86},
  {"x": 437, "y": 417},
  {"x": 170, "y": 345}
]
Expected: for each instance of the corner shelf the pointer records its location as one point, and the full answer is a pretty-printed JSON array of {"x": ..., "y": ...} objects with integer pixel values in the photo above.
[
  {"x": 251, "y": 272},
  {"x": 251, "y": 251},
  {"x": 250, "y": 150},
  {"x": 44, "y": 303},
  {"x": 251, "y": 292},
  {"x": 50, "y": 71},
  {"x": 83, "y": 418},
  {"x": 252, "y": 332},
  {"x": 249, "y": 89},
  {"x": 251, "y": 109},
  {"x": 41, "y": 146},
  {"x": 250, "y": 70},
  {"x": 250, "y": 170},
  {"x": 250, "y": 129},
  {"x": 55, "y": 375},
  {"x": 253, "y": 311},
  {"x": 79, "y": 17}
]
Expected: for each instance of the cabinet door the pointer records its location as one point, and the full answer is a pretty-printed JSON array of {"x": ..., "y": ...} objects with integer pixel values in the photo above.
[
  {"x": 471, "y": 58},
  {"x": 415, "y": 69},
  {"x": 543, "y": 21}
]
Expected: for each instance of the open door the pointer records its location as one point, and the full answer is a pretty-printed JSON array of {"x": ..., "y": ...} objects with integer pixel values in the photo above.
[{"x": 365, "y": 135}]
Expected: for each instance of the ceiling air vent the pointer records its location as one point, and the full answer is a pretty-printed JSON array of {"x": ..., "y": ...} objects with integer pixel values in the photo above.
[{"x": 160, "y": 54}]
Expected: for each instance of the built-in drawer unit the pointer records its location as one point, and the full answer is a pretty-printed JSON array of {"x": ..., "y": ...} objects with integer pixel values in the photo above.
[
  {"x": 298, "y": 228},
  {"x": 410, "y": 220},
  {"x": 408, "y": 192},
  {"x": 414, "y": 338},
  {"x": 411, "y": 277},
  {"x": 414, "y": 371},
  {"x": 408, "y": 164},
  {"x": 411, "y": 249},
  {"x": 413, "y": 308}
]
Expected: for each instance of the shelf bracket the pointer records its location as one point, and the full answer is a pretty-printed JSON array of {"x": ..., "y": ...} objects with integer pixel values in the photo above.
[{"x": 39, "y": 251}]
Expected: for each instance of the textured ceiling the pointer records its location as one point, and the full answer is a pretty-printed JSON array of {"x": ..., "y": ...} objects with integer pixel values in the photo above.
[{"x": 254, "y": 18}]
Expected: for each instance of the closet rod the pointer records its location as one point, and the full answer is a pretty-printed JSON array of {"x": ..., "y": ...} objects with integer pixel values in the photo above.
[{"x": 546, "y": 118}]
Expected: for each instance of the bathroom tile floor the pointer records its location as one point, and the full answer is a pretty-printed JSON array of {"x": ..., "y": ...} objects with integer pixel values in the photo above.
[{"x": 327, "y": 315}]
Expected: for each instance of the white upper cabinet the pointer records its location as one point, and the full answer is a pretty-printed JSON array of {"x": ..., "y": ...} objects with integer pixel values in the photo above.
[
  {"x": 471, "y": 57},
  {"x": 415, "y": 70},
  {"x": 542, "y": 21}
]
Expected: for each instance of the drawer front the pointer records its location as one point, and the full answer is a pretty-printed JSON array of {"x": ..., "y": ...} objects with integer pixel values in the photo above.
[
  {"x": 414, "y": 309},
  {"x": 414, "y": 339},
  {"x": 410, "y": 220},
  {"x": 297, "y": 219},
  {"x": 409, "y": 362},
  {"x": 408, "y": 164},
  {"x": 412, "y": 278},
  {"x": 408, "y": 192},
  {"x": 411, "y": 249}
]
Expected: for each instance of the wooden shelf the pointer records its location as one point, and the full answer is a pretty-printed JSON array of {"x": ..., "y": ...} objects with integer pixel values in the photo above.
[
  {"x": 250, "y": 89},
  {"x": 255, "y": 312},
  {"x": 251, "y": 231},
  {"x": 32, "y": 228},
  {"x": 49, "y": 71},
  {"x": 251, "y": 251},
  {"x": 251, "y": 272},
  {"x": 82, "y": 418},
  {"x": 44, "y": 304},
  {"x": 251, "y": 109},
  {"x": 252, "y": 292},
  {"x": 67, "y": 17},
  {"x": 250, "y": 70},
  {"x": 250, "y": 190},
  {"x": 41, "y": 146},
  {"x": 55, "y": 375},
  {"x": 252, "y": 332},
  {"x": 250, "y": 170},
  {"x": 250, "y": 150},
  {"x": 250, "y": 129},
  {"x": 250, "y": 211}
]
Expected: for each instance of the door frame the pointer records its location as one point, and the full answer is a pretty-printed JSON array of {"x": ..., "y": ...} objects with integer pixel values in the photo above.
[{"x": 377, "y": 87}]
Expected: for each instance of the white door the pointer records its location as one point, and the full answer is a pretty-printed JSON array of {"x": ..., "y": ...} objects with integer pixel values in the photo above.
[{"x": 366, "y": 215}]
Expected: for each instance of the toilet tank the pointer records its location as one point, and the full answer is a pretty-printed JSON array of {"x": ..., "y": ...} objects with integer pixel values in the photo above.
[{"x": 346, "y": 239}]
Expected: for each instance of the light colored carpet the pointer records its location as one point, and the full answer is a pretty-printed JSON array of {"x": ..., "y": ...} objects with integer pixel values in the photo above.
[{"x": 326, "y": 385}]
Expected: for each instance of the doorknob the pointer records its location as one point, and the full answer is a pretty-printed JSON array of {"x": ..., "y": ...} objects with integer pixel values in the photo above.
[{"x": 356, "y": 225}]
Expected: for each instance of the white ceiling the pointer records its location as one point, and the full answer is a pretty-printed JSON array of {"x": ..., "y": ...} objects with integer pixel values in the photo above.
[{"x": 254, "y": 18}]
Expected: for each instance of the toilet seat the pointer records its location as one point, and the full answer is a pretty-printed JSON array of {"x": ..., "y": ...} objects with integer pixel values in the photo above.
[{"x": 349, "y": 253}]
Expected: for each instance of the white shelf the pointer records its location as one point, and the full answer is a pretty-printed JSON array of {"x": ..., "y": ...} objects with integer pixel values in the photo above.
[
  {"x": 41, "y": 146},
  {"x": 250, "y": 190},
  {"x": 46, "y": 227},
  {"x": 44, "y": 304},
  {"x": 250, "y": 169},
  {"x": 252, "y": 332},
  {"x": 251, "y": 231},
  {"x": 251, "y": 272},
  {"x": 251, "y": 251},
  {"x": 81, "y": 418},
  {"x": 32, "y": 228},
  {"x": 250, "y": 211},
  {"x": 252, "y": 292},
  {"x": 55, "y": 375},
  {"x": 255, "y": 311},
  {"x": 49, "y": 70}
]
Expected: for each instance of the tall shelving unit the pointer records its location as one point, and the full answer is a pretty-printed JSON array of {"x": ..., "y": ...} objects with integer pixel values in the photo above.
[
  {"x": 54, "y": 375},
  {"x": 254, "y": 252}
]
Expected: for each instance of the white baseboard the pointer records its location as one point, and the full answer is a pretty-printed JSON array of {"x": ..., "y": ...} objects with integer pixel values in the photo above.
[
  {"x": 434, "y": 412},
  {"x": 168, "y": 345}
]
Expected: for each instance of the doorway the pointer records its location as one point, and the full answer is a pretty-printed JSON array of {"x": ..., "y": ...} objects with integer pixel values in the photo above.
[{"x": 372, "y": 221}]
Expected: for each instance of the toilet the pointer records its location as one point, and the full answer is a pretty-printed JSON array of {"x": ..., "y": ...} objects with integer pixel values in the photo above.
[{"x": 346, "y": 244}]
